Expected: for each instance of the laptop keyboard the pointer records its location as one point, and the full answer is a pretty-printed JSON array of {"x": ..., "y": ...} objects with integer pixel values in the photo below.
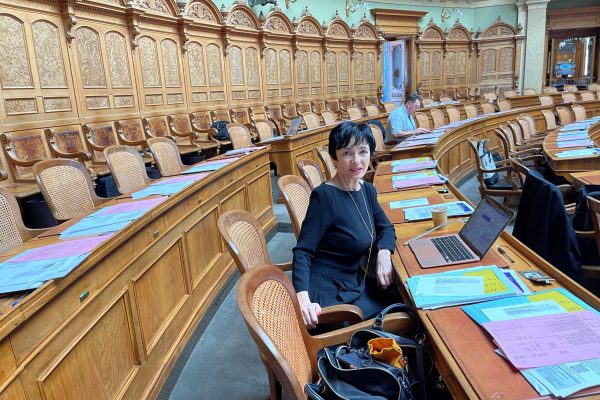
[{"x": 451, "y": 248}]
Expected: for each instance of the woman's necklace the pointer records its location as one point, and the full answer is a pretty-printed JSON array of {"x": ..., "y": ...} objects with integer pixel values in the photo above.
[{"x": 370, "y": 228}]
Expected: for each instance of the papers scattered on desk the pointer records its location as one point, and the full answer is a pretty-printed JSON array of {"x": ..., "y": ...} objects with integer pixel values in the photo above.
[
  {"x": 33, "y": 267},
  {"x": 424, "y": 180},
  {"x": 175, "y": 184},
  {"x": 565, "y": 144},
  {"x": 209, "y": 166},
  {"x": 455, "y": 208},
  {"x": 415, "y": 165},
  {"x": 495, "y": 286},
  {"x": 422, "y": 201},
  {"x": 245, "y": 150},
  {"x": 416, "y": 142},
  {"x": 562, "y": 378},
  {"x": 450, "y": 286},
  {"x": 578, "y": 153},
  {"x": 110, "y": 219}
]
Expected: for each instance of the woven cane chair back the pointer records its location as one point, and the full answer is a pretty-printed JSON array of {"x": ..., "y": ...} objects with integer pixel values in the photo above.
[
  {"x": 296, "y": 196},
  {"x": 127, "y": 168},
  {"x": 166, "y": 156}
]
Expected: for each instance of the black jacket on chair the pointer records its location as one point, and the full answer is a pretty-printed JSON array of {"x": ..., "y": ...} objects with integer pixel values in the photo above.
[{"x": 543, "y": 225}]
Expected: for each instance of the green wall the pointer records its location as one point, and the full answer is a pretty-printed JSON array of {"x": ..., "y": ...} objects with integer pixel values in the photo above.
[
  {"x": 324, "y": 10},
  {"x": 563, "y": 4}
]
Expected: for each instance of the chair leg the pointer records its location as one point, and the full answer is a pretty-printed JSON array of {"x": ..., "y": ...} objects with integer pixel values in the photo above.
[{"x": 274, "y": 385}]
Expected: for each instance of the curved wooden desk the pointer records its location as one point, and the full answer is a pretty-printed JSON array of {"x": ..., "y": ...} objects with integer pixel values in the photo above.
[
  {"x": 114, "y": 326},
  {"x": 463, "y": 352}
]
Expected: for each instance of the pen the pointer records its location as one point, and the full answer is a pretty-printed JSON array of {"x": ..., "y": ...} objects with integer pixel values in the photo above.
[{"x": 504, "y": 253}]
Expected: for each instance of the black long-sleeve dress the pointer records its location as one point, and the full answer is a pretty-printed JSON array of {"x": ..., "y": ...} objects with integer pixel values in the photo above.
[{"x": 332, "y": 241}]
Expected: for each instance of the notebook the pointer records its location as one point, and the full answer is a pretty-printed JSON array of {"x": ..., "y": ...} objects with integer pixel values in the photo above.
[
  {"x": 471, "y": 243},
  {"x": 294, "y": 126}
]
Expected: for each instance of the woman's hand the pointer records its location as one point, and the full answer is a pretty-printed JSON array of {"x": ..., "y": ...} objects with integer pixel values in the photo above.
[
  {"x": 310, "y": 311},
  {"x": 385, "y": 272}
]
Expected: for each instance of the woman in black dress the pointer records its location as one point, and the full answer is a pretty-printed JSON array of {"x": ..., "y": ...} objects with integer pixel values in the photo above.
[{"x": 343, "y": 224}]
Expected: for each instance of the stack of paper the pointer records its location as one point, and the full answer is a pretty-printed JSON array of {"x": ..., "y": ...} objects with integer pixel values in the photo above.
[
  {"x": 455, "y": 209},
  {"x": 168, "y": 186},
  {"x": 33, "y": 267},
  {"x": 209, "y": 166},
  {"x": 413, "y": 164},
  {"x": 578, "y": 153},
  {"x": 417, "y": 179},
  {"x": 563, "y": 330},
  {"x": 461, "y": 286},
  {"x": 111, "y": 219}
]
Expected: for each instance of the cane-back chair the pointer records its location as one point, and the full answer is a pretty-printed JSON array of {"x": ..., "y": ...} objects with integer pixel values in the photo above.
[
  {"x": 453, "y": 114},
  {"x": 488, "y": 108},
  {"x": 13, "y": 231},
  {"x": 166, "y": 156},
  {"x": 264, "y": 129},
  {"x": 296, "y": 196},
  {"x": 579, "y": 112},
  {"x": 329, "y": 117},
  {"x": 587, "y": 96},
  {"x": 437, "y": 116},
  {"x": 127, "y": 168},
  {"x": 354, "y": 113},
  {"x": 549, "y": 119},
  {"x": 569, "y": 98},
  {"x": 445, "y": 99},
  {"x": 422, "y": 120},
  {"x": 529, "y": 91},
  {"x": 327, "y": 162},
  {"x": 471, "y": 110},
  {"x": 570, "y": 88},
  {"x": 240, "y": 136},
  {"x": 564, "y": 115},
  {"x": 310, "y": 171},
  {"x": 549, "y": 89},
  {"x": 504, "y": 105},
  {"x": 372, "y": 110},
  {"x": 546, "y": 100},
  {"x": 311, "y": 120},
  {"x": 389, "y": 107}
]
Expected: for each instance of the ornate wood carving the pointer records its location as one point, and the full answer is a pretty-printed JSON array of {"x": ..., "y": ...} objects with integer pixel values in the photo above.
[
  {"x": 315, "y": 67},
  {"x": 285, "y": 66},
  {"x": 196, "y": 64},
  {"x": 271, "y": 66},
  {"x": 203, "y": 12},
  {"x": 90, "y": 59},
  {"x": 302, "y": 63},
  {"x": 48, "y": 56},
  {"x": 213, "y": 57},
  {"x": 344, "y": 62},
  {"x": 331, "y": 65},
  {"x": 170, "y": 62},
  {"x": 14, "y": 64},
  {"x": 252, "y": 66},
  {"x": 116, "y": 49},
  {"x": 149, "y": 62},
  {"x": 236, "y": 66}
]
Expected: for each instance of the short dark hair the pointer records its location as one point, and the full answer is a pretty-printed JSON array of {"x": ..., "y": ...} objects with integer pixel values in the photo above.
[
  {"x": 413, "y": 97},
  {"x": 342, "y": 135}
]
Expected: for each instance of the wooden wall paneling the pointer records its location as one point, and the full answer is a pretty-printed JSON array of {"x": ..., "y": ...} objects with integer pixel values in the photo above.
[
  {"x": 366, "y": 41},
  {"x": 36, "y": 86},
  {"x": 205, "y": 62},
  {"x": 101, "y": 55},
  {"x": 457, "y": 57},
  {"x": 308, "y": 52},
  {"x": 242, "y": 55},
  {"x": 338, "y": 41},
  {"x": 276, "y": 41},
  {"x": 497, "y": 64},
  {"x": 159, "y": 61},
  {"x": 430, "y": 54}
]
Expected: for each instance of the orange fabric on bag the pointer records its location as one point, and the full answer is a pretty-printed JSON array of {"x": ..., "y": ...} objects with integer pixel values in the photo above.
[{"x": 387, "y": 350}]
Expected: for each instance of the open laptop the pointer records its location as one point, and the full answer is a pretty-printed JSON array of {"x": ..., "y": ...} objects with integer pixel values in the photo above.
[
  {"x": 471, "y": 243},
  {"x": 294, "y": 126}
]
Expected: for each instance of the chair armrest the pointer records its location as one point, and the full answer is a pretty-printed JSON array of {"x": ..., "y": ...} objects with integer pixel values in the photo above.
[
  {"x": 3, "y": 175},
  {"x": 341, "y": 313},
  {"x": 501, "y": 169},
  {"x": 585, "y": 234},
  {"x": 396, "y": 322},
  {"x": 82, "y": 156},
  {"x": 285, "y": 266}
]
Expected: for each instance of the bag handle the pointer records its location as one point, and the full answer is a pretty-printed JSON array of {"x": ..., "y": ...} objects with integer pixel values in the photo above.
[{"x": 401, "y": 307}]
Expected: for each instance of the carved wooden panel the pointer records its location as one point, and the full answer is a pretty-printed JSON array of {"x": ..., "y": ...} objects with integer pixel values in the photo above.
[
  {"x": 506, "y": 59},
  {"x": 271, "y": 66},
  {"x": 370, "y": 66},
  {"x": 285, "y": 66},
  {"x": 252, "y": 66},
  {"x": 49, "y": 59},
  {"x": 14, "y": 61},
  {"x": 90, "y": 57},
  {"x": 344, "y": 62},
  {"x": 149, "y": 62},
  {"x": 315, "y": 67},
  {"x": 236, "y": 66},
  {"x": 116, "y": 49},
  {"x": 425, "y": 64},
  {"x": 213, "y": 56},
  {"x": 170, "y": 63},
  {"x": 489, "y": 61},
  {"x": 461, "y": 62},
  {"x": 203, "y": 253},
  {"x": 436, "y": 63},
  {"x": 331, "y": 66},
  {"x": 196, "y": 64},
  {"x": 302, "y": 62},
  {"x": 359, "y": 66},
  {"x": 450, "y": 63}
]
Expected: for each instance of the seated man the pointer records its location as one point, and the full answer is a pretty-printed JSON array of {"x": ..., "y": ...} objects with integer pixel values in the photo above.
[{"x": 401, "y": 123}]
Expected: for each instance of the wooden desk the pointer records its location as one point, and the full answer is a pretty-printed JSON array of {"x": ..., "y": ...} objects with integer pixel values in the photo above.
[
  {"x": 585, "y": 178},
  {"x": 303, "y": 145},
  {"x": 529, "y": 100},
  {"x": 116, "y": 324}
]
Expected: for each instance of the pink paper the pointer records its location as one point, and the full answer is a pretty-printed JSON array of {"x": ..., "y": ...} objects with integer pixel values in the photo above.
[
  {"x": 62, "y": 249},
  {"x": 548, "y": 340},
  {"x": 414, "y": 166},
  {"x": 132, "y": 206},
  {"x": 182, "y": 178},
  {"x": 219, "y": 161},
  {"x": 428, "y": 180}
]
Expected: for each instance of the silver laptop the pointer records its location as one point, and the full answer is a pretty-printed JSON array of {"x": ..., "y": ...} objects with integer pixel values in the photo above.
[
  {"x": 294, "y": 126},
  {"x": 471, "y": 243}
]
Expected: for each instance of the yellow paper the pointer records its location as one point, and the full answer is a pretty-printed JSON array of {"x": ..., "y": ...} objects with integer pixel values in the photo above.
[
  {"x": 566, "y": 303},
  {"x": 491, "y": 282}
]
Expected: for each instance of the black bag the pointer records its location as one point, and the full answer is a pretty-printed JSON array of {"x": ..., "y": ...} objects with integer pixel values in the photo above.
[
  {"x": 351, "y": 372},
  {"x": 221, "y": 127}
]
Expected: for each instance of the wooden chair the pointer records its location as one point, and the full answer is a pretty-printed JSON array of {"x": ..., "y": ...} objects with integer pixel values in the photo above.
[
  {"x": 569, "y": 98},
  {"x": 490, "y": 96},
  {"x": 445, "y": 99},
  {"x": 437, "y": 116},
  {"x": 593, "y": 204},
  {"x": 99, "y": 136},
  {"x": 240, "y": 136},
  {"x": 374, "y": 101},
  {"x": 372, "y": 111},
  {"x": 593, "y": 86},
  {"x": 130, "y": 132},
  {"x": 422, "y": 120},
  {"x": 509, "y": 93},
  {"x": 310, "y": 171},
  {"x": 264, "y": 129},
  {"x": 529, "y": 92},
  {"x": 296, "y": 196},
  {"x": 311, "y": 120},
  {"x": 564, "y": 115},
  {"x": 530, "y": 132},
  {"x": 511, "y": 149},
  {"x": 327, "y": 162},
  {"x": 289, "y": 112},
  {"x": 245, "y": 241},
  {"x": 546, "y": 100},
  {"x": 569, "y": 88},
  {"x": 158, "y": 127},
  {"x": 67, "y": 187},
  {"x": 360, "y": 102},
  {"x": 180, "y": 126},
  {"x": 507, "y": 186},
  {"x": 462, "y": 93},
  {"x": 579, "y": 112},
  {"x": 345, "y": 103},
  {"x": 550, "y": 120},
  {"x": 201, "y": 124},
  {"x": 453, "y": 114},
  {"x": 549, "y": 89},
  {"x": 487, "y": 108},
  {"x": 241, "y": 116},
  {"x": 276, "y": 115},
  {"x": 166, "y": 156},
  {"x": 303, "y": 107},
  {"x": 354, "y": 113},
  {"x": 269, "y": 305},
  {"x": 333, "y": 105},
  {"x": 587, "y": 96},
  {"x": 23, "y": 150},
  {"x": 504, "y": 105},
  {"x": 329, "y": 117},
  {"x": 67, "y": 143},
  {"x": 427, "y": 101},
  {"x": 318, "y": 106},
  {"x": 127, "y": 168},
  {"x": 389, "y": 107},
  {"x": 471, "y": 110},
  {"x": 257, "y": 113},
  {"x": 382, "y": 152},
  {"x": 14, "y": 232}
]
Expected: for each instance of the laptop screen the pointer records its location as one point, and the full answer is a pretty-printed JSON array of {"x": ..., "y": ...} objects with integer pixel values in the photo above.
[
  {"x": 485, "y": 225},
  {"x": 294, "y": 126}
]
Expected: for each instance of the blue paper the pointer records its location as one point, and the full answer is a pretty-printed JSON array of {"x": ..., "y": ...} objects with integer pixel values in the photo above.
[
  {"x": 167, "y": 189},
  {"x": 206, "y": 168}
]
